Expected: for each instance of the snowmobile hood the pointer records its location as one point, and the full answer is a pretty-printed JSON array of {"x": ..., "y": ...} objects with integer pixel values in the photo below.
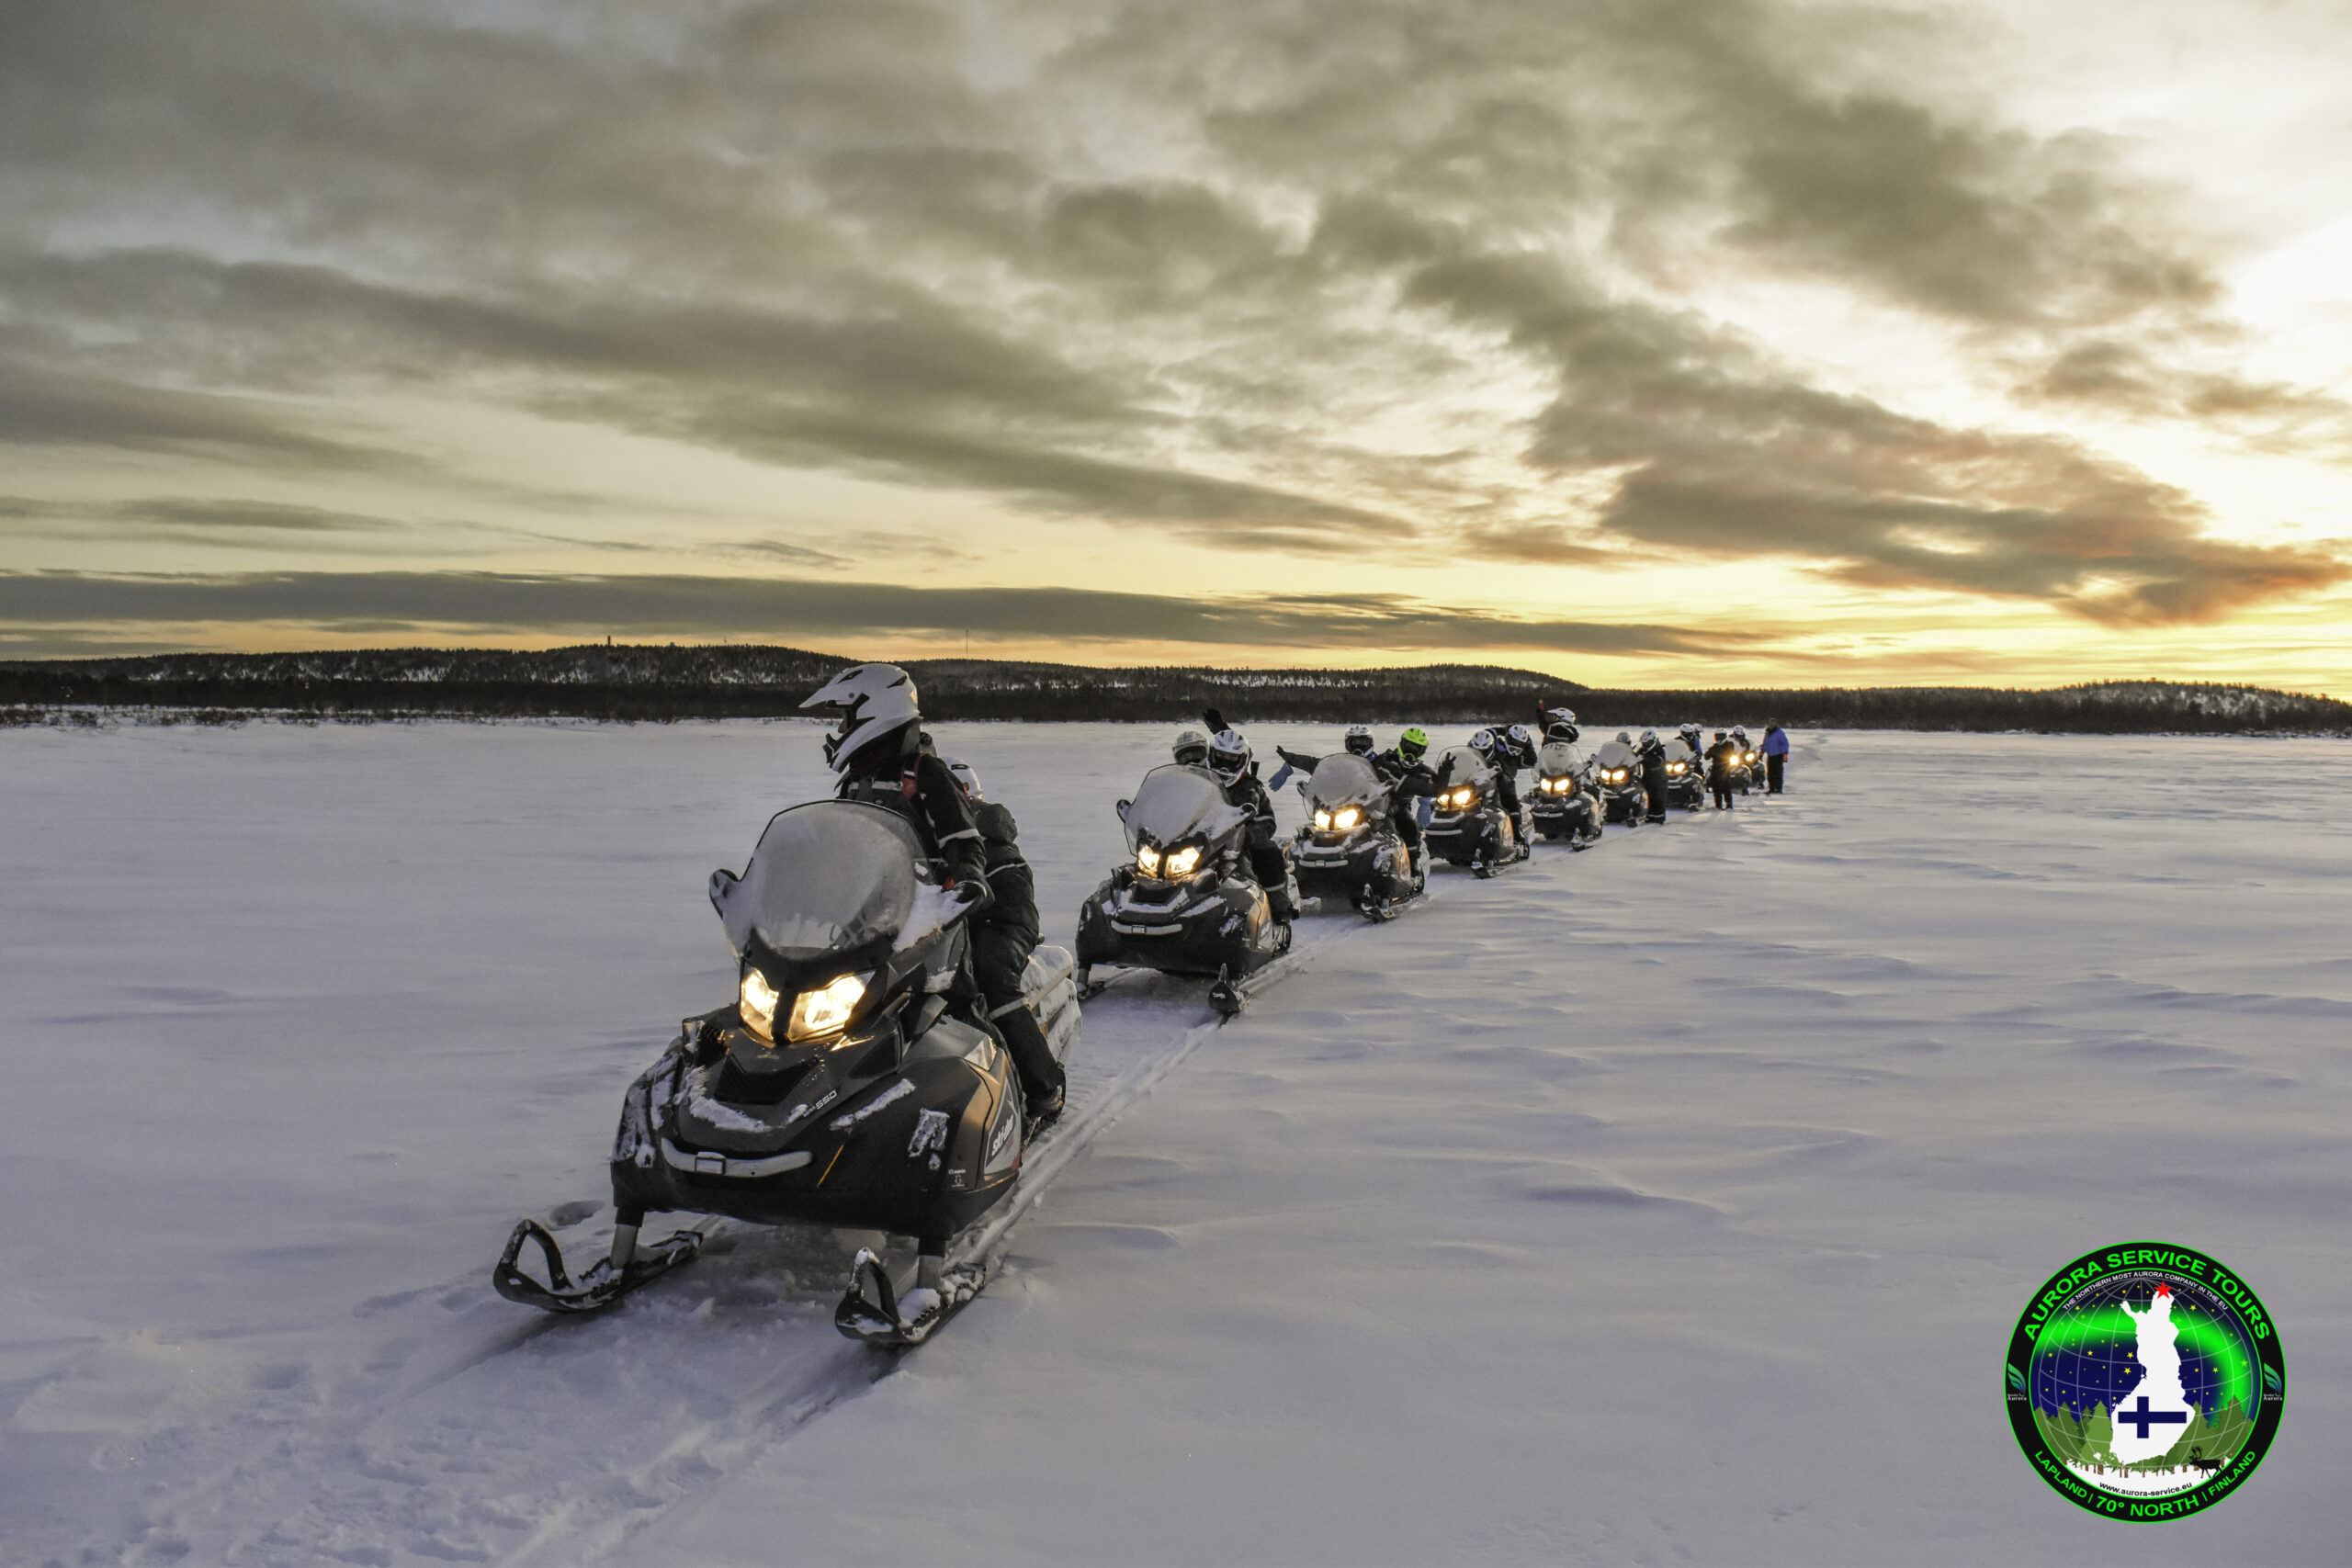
[
  {"x": 1560, "y": 757},
  {"x": 826, "y": 877},
  {"x": 1615, "y": 754},
  {"x": 1343, "y": 779},
  {"x": 1176, "y": 802}
]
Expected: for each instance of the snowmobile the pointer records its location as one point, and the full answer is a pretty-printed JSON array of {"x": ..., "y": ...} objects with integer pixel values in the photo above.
[
  {"x": 1618, "y": 771},
  {"x": 1350, "y": 848},
  {"x": 1469, "y": 825},
  {"x": 1686, "y": 775},
  {"x": 1746, "y": 767},
  {"x": 838, "y": 1089},
  {"x": 1186, "y": 904},
  {"x": 1567, "y": 806}
]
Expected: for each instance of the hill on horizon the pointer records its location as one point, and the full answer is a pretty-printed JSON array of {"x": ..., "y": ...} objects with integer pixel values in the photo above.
[{"x": 655, "y": 683}]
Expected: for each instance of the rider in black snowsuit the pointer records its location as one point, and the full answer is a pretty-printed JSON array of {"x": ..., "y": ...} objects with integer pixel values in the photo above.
[
  {"x": 1719, "y": 758},
  {"x": 1410, "y": 780},
  {"x": 1228, "y": 759},
  {"x": 1652, "y": 755},
  {"x": 1003, "y": 936}
]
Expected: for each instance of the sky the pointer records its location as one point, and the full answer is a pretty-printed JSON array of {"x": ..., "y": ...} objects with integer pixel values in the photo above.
[{"x": 1641, "y": 342}]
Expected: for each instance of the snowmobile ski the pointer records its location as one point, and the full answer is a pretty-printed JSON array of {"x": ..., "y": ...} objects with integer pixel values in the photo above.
[
  {"x": 599, "y": 1285},
  {"x": 873, "y": 1311}
]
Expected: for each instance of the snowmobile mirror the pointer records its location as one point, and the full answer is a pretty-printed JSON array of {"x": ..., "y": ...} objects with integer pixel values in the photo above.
[
  {"x": 722, "y": 887},
  {"x": 1123, "y": 810}
]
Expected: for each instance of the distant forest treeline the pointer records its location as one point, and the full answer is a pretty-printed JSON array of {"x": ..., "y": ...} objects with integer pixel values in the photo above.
[{"x": 648, "y": 683}]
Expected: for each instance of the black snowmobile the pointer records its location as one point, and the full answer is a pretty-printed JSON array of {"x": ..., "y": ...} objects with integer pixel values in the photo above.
[
  {"x": 1618, "y": 772},
  {"x": 1186, "y": 904},
  {"x": 1350, "y": 848},
  {"x": 1686, "y": 775},
  {"x": 1746, "y": 771},
  {"x": 1567, "y": 805},
  {"x": 835, "y": 1090},
  {"x": 1468, "y": 823}
]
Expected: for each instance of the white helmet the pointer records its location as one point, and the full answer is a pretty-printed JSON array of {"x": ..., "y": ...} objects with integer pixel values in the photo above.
[
  {"x": 874, "y": 700},
  {"x": 1559, "y": 716},
  {"x": 965, "y": 778},
  {"x": 1229, "y": 755},
  {"x": 1740, "y": 732},
  {"x": 1691, "y": 732},
  {"x": 1649, "y": 739},
  {"x": 1359, "y": 740},
  {"x": 1192, "y": 748}
]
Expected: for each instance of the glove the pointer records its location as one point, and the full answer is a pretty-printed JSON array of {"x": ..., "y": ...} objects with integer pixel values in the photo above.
[{"x": 971, "y": 897}]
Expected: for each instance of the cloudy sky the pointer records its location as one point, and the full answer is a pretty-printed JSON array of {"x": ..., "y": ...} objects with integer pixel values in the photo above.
[{"x": 1641, "y": 341}]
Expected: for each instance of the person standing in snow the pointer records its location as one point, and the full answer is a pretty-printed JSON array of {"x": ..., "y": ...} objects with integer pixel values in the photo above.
[
  {"x": 1776, "y": 756},
  {"x": 1003, "y": 936},
  {"x": 1651, "y": 752},
  {"x": 1719, "y": 758}
]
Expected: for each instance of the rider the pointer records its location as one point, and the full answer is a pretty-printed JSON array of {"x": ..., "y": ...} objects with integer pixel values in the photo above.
[
  {"x": 877, "y": 753},
  {"x": 1719, "y": 758},
  {"x": 1689, "y": 733},
  {"x": 1003, "y": 936},
  {"x": 1191, "y": 748},
  {"x": 1653, "y": 754},
  {"x": 1410, "y": 780},
  {"x": 1560, "y": 724},
  {"x": 1228, "y": 759}
]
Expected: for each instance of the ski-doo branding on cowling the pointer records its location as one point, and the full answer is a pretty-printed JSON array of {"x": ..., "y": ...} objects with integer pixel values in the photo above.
[
  {"x": 1468, "y": 823},
  {"x": 837, "y": 1090},
  {"x": 1349, "y": 849},
  {"x": 1567, "y": 805},
  {"x": 1184, "y": 903}
]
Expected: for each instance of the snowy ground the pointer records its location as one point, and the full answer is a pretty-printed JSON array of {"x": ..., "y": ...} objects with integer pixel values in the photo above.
[{"x": 1670, "y": 1203}]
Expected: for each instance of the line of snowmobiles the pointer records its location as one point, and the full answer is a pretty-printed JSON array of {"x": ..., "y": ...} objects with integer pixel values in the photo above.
[{"x": 849, "y": 1083}]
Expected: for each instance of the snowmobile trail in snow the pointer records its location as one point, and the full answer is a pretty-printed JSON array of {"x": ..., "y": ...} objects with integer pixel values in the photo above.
[{"x": 481, "y": 1431}]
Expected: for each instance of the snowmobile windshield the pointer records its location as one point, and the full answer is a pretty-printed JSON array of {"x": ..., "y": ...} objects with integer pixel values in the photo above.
[
  {"x": 828, "y": 879},
  {"x": 1615, "y": 754},
  {"x": 1678, "y": 751},
  {"x": 1469, "y": 768},
  {"x": 1175, "y": 803},
  {"x": 1345, "y": 779},
  {"x": 1560, "y": 757}
]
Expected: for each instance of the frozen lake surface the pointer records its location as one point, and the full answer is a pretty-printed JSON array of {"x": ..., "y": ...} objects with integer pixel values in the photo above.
[{"x": 1668, "y": 1202}]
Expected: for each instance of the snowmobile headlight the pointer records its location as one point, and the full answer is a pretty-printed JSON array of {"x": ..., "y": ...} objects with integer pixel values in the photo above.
[
  {"x": 1322, "y": 818},
  {"x": 1674, "y": 767},
  {"x": 1748, "y": 757},
  {"x": 825, "y": 1011},
  {"x": 1148, "y": 862},
  {"x": 756, "y": 1003},
  {"x": 1183, "y": 861},
  {"x": 1347, "y": 816}
]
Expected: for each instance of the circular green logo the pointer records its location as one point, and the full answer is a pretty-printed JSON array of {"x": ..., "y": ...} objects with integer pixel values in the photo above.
[{"x": 2145, "y": 1381}]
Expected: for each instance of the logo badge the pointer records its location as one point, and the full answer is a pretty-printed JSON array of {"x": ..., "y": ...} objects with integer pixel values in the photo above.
[{"x": 2145, "y": 1381}]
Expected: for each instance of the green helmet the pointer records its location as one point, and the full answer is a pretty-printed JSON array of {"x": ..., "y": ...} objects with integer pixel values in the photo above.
[{"x": 1413, "y": 743}]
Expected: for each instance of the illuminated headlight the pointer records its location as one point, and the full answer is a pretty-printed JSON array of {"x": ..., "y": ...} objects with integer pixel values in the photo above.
[
  {"x": 1147, "y": 861},
  {"x": 1347, "y": 816},
  {"x": 756, "y": 1002},
  {"x": 1750, "y": 757},
  {"x": 1674, "y": 767},
  {"x": 1183, "y": 861},
  {"x": 816, "y": 1014},
  {"x": 1322, "y": 819},
  {"x": 1460, "y": 799}
]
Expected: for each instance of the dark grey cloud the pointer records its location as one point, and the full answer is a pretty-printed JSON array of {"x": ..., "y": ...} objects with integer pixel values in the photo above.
[
  {"x": 1232, "y": 271},
  {"x": 86, "y": 605}
]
